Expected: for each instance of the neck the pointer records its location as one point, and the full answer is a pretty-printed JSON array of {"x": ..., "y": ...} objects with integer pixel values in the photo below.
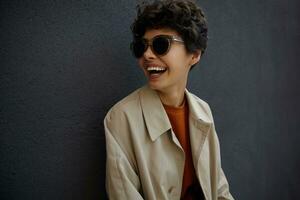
[{"x": 174, "y": 99}]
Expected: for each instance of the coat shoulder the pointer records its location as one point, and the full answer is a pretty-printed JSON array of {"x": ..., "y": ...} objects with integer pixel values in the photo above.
[
  {"x": 126, "y": 106},
  {"x": 201, "y": 105},
  {"x": 200, "y": 101}
]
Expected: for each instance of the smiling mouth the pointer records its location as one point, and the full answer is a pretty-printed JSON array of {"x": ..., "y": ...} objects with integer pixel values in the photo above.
[{"x": 156, "y": 70}]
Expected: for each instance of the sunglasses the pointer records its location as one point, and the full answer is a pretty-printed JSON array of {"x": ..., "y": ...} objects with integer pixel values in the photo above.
[{"x": 160, "y": 45}]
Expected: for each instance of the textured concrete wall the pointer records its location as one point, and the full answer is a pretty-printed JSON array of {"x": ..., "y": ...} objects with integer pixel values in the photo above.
[{"x": 63, "y": 64}]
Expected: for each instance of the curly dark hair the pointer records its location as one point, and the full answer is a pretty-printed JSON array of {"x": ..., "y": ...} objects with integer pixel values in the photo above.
[{"x": 183, "y": 16}]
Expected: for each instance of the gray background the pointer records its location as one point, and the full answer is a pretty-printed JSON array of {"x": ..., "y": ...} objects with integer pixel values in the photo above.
[{"x": 65, "y": 63}]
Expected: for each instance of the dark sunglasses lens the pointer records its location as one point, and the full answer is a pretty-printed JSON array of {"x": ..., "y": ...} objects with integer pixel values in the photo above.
[
  {"x": 138, "y": 48},
  {"x": 160, "y": 45}
]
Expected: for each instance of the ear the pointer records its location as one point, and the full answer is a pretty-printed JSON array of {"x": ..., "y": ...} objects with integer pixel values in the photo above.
[{"x": 195, "y": 57}]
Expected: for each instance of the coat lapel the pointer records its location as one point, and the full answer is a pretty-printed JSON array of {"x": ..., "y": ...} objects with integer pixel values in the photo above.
[{"x": 157, "y": 121}]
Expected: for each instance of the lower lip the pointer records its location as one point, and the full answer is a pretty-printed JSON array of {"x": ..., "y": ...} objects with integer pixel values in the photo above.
[{"x": 154, "y": 77}]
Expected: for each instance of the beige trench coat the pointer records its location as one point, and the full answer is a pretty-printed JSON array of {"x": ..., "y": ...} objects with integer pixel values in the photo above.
[{"x": 144, "y": 157}]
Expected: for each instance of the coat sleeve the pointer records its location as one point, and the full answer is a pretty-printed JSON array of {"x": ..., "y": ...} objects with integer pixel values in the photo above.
[
  {"x": 223, "y": 192},
  {"x": 122, "y": 182},
  {"x": 222, "y": 185}
]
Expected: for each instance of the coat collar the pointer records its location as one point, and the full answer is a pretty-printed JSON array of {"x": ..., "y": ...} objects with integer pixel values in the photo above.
[{"x": 156, "y": 118}]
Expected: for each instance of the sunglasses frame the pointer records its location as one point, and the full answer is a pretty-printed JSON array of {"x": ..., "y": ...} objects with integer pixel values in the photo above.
[{"x": 147, "y": 43}]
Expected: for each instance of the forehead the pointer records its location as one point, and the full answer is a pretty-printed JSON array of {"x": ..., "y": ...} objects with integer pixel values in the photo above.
[{"x": 150, "y": 33}]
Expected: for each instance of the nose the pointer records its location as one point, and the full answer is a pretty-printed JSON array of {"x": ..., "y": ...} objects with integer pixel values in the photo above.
[{"x": 148, "y": 54}]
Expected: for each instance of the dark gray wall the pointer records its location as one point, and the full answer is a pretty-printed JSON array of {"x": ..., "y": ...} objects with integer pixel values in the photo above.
[{"x": 65, "y": 63}]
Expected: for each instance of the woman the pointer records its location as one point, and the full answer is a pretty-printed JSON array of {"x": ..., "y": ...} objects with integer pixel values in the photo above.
[{"x": 160, "y": 140}]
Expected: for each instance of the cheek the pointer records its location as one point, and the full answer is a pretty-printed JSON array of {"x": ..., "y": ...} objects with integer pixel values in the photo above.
[
  {"x": 140, "y": 62},
  {"x": 176, "y": 62},
  {"x": 178, "y": 57}
]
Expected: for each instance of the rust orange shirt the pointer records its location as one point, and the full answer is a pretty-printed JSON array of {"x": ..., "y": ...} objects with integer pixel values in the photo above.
[{"x": 179, "y": 119}]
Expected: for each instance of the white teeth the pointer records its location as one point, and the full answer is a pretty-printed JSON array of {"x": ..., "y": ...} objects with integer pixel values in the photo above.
[{"x": 156, "y": 68}]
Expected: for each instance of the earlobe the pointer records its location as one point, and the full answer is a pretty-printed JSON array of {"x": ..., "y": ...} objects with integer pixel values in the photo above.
[{"x": 196, "y": 57}]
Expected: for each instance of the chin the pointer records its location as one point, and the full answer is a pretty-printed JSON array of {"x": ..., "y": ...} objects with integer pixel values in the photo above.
[
  {"x": 152, "y": 86},
  {"x": 156, "y": 87}
]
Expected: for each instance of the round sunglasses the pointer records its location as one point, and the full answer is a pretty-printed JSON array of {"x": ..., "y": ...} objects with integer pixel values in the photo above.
[{"x": 160, "y": 45}]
